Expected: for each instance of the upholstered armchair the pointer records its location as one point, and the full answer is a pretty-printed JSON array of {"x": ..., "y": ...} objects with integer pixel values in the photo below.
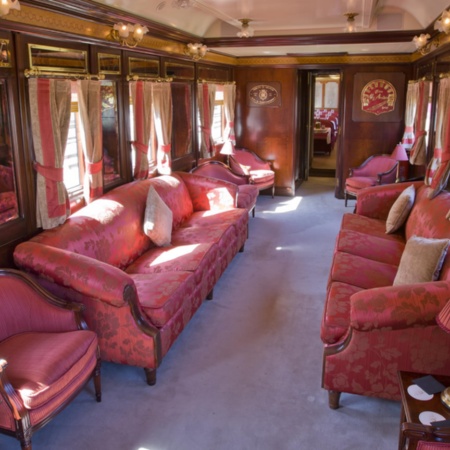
[
  {"x": 259, "y": 171},
  {"x": 247, "y": 193},
  {"x": 46, "y": 356},
  {"x": 377, "y": 169}
]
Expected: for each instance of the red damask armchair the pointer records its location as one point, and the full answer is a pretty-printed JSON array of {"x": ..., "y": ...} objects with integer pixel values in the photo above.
[
  {"x": 259, "y": 171},
  {"x": 247, "y": 193},
  {"x": 378, "y": 169},
  {"x": 46, "y": 356}
]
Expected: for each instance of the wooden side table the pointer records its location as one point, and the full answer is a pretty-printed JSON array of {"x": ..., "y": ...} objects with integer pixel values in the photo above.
[{"x": 415, "y": 414}]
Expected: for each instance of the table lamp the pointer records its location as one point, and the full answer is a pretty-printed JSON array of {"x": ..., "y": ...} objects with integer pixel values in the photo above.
[
  {"x": 227, "y": 149},
  {"x": 399, "y": 154},
  {"x": 443, "y": 320}
]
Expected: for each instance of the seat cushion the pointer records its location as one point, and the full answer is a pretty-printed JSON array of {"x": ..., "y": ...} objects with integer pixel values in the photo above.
[
  {"x": 43, "y": 365},
  {"x": 261, "y": 176},
  {"x": 356, "y": 183}
]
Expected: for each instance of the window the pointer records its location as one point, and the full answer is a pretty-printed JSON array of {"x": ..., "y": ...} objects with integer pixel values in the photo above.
[
  {"x": 218, "y": 125},
  {"x": 74, "y": 158}
]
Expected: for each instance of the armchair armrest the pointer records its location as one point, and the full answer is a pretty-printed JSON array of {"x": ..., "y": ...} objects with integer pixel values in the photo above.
[
  {"x": 81, "y": 273},
  {"x": 397, "y": 307},
  {"x": 376, "y": 201},
  {"x": 388, "y": 175}
]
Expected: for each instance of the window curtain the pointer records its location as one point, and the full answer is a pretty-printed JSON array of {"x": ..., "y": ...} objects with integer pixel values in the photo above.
[
  {"x": 229, "y": 100},
  {"x": 50, "y": 102},
  {"x": 141, "y": 95},
  {"x": 410, "y": 112},
  {"x": 90, "y": 108},
  {"x": 206, "y": 98},
  {"x": 418, "y": 154},
  {"x": 162, "y": 116},
  {"x": 438, "y": 170}
]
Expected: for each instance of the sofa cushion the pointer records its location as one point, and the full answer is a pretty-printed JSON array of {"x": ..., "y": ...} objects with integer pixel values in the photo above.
[
  {"x": 400, "y": 210},
  {"x": 161, "y": 295},
  {"x": 368, "y": 225},
  {"x": 421, "y": 260},
  {"x": 196, "y": 258},
  {"x": 157, "y": 219},
  {"x": 388, "y": 251},
  {"x": 362, "y": 272},
  {"x": 41, "y": 365},
  {"x": 356, "y": 183}
]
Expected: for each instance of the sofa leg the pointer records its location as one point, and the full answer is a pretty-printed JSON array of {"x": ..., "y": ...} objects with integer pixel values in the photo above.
[
  {"x": 346, "y": 198},
  {"x": 98, "y": 382},
  {"x": 150, "y": 375},
  {"x": 333, "y": 399},
  {"x": 210, "y": 295},
  {"x": 253, "y": 211},
  {"x": 273, "y": 191},
  {"x": 241, "y": 250}
]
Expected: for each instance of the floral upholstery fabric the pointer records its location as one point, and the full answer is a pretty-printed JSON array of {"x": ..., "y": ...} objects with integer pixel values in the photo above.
[
  {"x": 370, "y": 328},
  {"x": 139, "y": 297}
]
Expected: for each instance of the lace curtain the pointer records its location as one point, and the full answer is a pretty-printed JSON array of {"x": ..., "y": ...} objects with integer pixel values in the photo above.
[
  {"x": 206, "y": 98},
  {"x": 410, "y": 112},
  {"x": 229, "y": 100},
  {"x": 50, "y": 108},
  {"x": 438, "y": 169},
  {"x": 418, "y": 154},
  {"x": 90, "y": 108}
]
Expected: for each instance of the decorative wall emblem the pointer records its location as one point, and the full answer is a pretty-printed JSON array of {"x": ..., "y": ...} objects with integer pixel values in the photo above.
[
  {"x": 378, "y": 97},
  {"x": 264, "y": 94}
]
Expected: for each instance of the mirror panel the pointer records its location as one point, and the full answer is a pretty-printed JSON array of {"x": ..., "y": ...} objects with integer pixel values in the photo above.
[
  {"x": 111, "y": 142},
  {"x": 109, "y": 64},
  {"x": 8, "y": 197},
  {"x": 57, "y": 59},
  {"x": 179, "y": 71},
  {"x": 182, "y": 119},
  {"x": 143, "y": 67},
  {"x": 5, "y": 54}
]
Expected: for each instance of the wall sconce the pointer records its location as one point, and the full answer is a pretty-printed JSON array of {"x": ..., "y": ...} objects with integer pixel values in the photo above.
[
  {"x": 350, "y": 27},
  {"x": 122, "y": 33},
  {"x": 7, "y": 5},
  {"x": 195, "y": 51},
  {"x": 443, "y": 23},
  {"x": 423, "y": 46},
  {"x": 246, "y": 29}
]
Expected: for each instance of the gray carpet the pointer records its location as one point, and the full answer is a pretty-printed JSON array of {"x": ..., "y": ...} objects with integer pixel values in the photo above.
[{"x": 246, "y": 373}]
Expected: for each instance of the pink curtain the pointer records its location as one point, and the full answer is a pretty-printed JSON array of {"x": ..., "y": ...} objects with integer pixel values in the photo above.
[
  {"x": 229, "y": 100},
  {"x": 410, "y": 112},
  {"x": 141, "y": 95},
  {"x": 90, "y": 108},
  {"x": 418, "y": 154},
  {"x": 438, "y": 169},
  {"x": 162, "y": 116},
  {"x": 206, "y": 97},
  {"x": 50, "y": 102}
]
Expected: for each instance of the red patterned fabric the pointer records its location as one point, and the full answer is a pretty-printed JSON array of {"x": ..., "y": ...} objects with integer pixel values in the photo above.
[
  {"x": 42, "y": 365},
  {"x": 139, "y": 297},
  {"x": 370, "y": 328},
  {"x": 360, "y": 182}
]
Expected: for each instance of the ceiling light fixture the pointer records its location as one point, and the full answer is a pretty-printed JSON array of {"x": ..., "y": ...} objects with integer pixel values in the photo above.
[
  {"x": 195, "y": 51},
  {"x": 182, "y": 4},
  {"x": 350, "y": 27},
  {"x": 246, "y": 29},
  {"x": 443, "y": 23},
  {"x": 7, "y": 5},
  {"x": 423, "y": 45},
  {"x": 128, "y": 35}
]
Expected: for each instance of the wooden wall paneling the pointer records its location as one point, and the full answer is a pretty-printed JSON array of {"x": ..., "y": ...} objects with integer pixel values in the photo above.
[
  {"x": 269, "y": 130},
  {"x": 363, "y": 134}
]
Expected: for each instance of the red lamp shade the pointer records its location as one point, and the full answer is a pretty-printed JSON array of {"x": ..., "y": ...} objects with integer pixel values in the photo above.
[
  {"x": 399, "y": 153},
  {"x": 443, "y": 319}
]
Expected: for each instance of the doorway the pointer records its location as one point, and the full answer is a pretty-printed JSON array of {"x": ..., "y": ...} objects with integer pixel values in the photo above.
[{"x": 319, "y": 122}]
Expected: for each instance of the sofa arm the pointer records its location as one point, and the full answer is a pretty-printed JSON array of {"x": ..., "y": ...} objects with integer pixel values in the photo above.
[
  {"x": 208, "y": 193},
  {"x": 376, "y": 201},
  {"x": 397, "y": 307},
  {"x": 81, "y": 273}
]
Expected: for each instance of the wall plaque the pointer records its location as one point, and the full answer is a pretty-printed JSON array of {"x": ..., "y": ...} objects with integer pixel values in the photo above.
[
  {"x": 264, "y": 94},
  {"x": 378, "y": 97}
]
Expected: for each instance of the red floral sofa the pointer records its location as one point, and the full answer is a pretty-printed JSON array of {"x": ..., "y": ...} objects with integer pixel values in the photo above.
[
  {"x": 139, "y": 297},
  {"x": 371, "y": 326}
]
